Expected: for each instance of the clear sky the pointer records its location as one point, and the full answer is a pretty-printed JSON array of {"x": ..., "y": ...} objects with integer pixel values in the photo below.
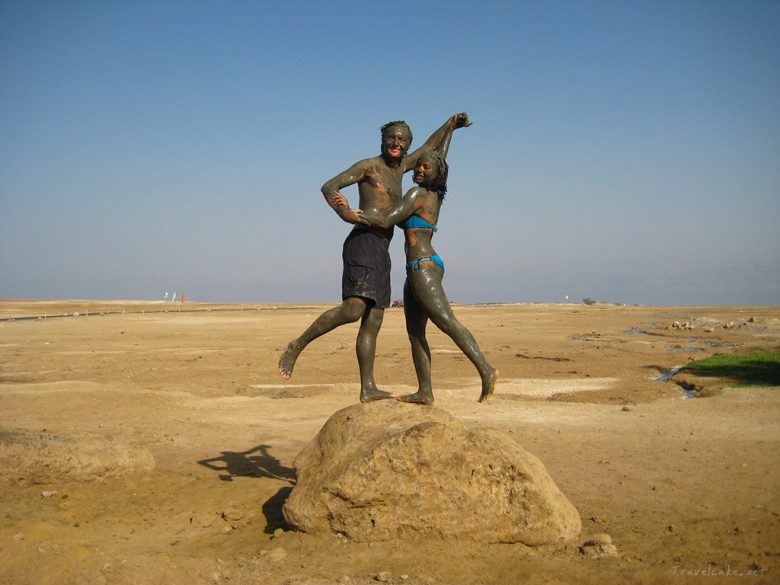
[{"x": 626, "y": 151}]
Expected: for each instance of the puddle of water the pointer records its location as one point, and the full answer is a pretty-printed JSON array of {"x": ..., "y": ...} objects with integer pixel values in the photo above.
[
  {"x": 687, "y": 390},
  {"x": 666, "y": 376},
  {"x": 635, "y": 330},
  {"x": 703, "y": 344},
  {"x": 680, "y": 348}
]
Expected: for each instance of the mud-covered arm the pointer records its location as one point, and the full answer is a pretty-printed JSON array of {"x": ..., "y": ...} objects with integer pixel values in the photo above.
[
  {"x": 444, "y": 146},
  {"x": 332, "y": 194},
  {"x": 409, "y": 203},
  {"x": 439, "y": 140}
]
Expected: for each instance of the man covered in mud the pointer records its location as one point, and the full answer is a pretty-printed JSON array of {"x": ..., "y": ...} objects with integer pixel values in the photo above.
[{"x": 365, "y": 279}]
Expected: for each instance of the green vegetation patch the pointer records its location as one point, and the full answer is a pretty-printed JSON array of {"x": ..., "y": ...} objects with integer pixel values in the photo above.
[{"x": 755, "y": 369}]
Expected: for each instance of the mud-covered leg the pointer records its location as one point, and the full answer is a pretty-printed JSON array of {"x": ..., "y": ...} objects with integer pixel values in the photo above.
[
  {"x": 416, "y": 322},
  {"x": 347, "y": 312},
  {"x": 430, "y": 294},
  {"x": 366, "y": 352}
]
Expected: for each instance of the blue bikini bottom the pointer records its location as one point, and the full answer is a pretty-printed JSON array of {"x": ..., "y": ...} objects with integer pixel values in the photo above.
[{"x": 415, "y": 264}]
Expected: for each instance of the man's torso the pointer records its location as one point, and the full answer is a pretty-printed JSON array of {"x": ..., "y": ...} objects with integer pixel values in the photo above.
[{"x": 380, "y": 190}]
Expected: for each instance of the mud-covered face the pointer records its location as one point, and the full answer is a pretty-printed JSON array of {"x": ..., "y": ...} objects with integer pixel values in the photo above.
[
  {"x": 396, "y": 141},
  {"x": 426, "y": 171}
]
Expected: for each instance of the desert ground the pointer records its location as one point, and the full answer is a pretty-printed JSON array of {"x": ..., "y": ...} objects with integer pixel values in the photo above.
[{"x": 151, "y": 443}]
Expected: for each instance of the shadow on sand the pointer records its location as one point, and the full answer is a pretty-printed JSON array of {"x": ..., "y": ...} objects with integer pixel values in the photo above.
[
  {"x": 272, "y": 510},
  {"x": 255, "y": 462},
  {"x": 751, "y": 372}
]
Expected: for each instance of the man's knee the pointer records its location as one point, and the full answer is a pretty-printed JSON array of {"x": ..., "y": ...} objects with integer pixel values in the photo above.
[
  {"x": 375, "y": 316},
  {"x": 353, "y": 308}
]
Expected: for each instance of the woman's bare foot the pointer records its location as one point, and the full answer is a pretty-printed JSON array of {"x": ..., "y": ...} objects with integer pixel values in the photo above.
[
  {"x": 371, "y": 394},
  {"x": 287, "y": 361},
  {"x": 488, "y": 385},
  {"x": 418, "y": 397}
]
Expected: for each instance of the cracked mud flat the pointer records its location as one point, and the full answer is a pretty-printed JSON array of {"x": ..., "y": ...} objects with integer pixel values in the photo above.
[{"x": 148, "y": 444}]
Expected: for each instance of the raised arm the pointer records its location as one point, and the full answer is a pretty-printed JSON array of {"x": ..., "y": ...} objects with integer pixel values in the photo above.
[
  {"x": 444, "y": 145},
  {"x": 439, "y": 140},
  {"x": 409, "y": 203},
  {"x": 334, "y": 198}
]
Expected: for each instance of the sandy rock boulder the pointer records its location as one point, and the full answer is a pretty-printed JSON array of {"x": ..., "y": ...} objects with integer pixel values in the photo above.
[{"x": 389, "y": 470}]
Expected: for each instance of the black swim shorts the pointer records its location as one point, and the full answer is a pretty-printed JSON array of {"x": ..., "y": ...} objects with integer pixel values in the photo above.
[{"x": 366, "y": 273}]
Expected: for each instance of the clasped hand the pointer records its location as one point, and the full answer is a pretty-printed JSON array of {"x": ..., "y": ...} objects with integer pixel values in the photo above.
[{"x": 348, "y": 214}]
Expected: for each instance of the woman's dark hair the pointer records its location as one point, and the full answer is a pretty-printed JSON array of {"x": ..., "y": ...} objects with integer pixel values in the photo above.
[{"x": 440, "y": 183}]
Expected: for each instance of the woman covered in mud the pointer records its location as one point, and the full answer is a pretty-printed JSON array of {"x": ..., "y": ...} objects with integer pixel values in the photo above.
[{"x": 424, "y": 298}]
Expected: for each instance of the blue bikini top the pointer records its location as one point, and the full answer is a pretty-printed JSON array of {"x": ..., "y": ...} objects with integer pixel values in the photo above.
[{"x": 415, "y": 221}]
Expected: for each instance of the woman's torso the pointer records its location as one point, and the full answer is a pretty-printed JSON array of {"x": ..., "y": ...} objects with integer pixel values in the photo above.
[{"x": 418, "y": 239}]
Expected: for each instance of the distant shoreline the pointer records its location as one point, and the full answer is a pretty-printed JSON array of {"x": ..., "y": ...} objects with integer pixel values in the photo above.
[{"x": 34, "y": 309}]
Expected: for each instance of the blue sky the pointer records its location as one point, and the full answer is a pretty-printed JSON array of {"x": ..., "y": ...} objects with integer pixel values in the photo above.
[{"x": 621, "y": 150}]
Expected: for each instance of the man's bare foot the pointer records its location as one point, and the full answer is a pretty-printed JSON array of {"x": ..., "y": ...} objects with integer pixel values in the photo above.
[
  {"x": 287, "y": 361},
  {"x": 372, "y": 394},
  {"x": 417, "y": 398},
  {"x": 488, "y": 385}
]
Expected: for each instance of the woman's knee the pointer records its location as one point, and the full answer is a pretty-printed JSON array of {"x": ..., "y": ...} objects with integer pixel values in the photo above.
[
  {"x": 447, "y": 323},
  {"x": 415, "y": 331}
]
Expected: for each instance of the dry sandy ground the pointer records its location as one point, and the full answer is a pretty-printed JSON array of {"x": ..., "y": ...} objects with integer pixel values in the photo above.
[{"x": 147, "y": 444}]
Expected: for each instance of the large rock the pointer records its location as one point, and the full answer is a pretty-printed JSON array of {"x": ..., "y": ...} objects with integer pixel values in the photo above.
[{"x": 389, "y": 470}]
